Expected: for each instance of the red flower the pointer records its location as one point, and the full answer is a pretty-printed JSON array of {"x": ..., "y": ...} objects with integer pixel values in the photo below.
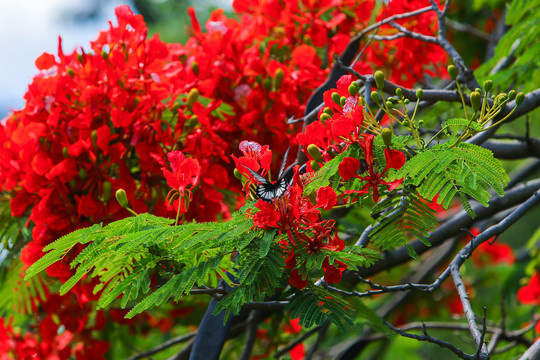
[
  {"x": 530, "y": 293},
  {"x": 296, "y": 280},
  {"x": 185, "y": 172},
  {"x": 394, "y": 160},
  {"x": 332, "y": 273}
]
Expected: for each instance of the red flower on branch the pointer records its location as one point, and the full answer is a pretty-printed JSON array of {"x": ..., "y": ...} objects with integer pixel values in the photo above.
[
  {"x": 530, "y": 293},
  {"x": 374, "y": 179},
  {"x": 184, "y": 177}
]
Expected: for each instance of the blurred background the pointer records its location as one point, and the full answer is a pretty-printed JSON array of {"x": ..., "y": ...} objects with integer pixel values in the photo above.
[{"x": 30, "y": 27}]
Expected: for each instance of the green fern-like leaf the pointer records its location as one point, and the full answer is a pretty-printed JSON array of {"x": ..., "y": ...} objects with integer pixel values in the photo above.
[
  {"x": 461, "y": 169},
  {"x": 312, "y": 307},
  {"x": 404, "y": 216}
]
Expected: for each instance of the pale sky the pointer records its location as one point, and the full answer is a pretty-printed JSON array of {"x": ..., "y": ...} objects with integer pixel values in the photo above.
[{"x": 30, "y": 27}]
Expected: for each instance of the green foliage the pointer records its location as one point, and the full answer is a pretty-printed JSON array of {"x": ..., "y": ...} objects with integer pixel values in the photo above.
[
  {"x": 464, "y": 169},
  {"x": 404, "y": 216},
  {"x": 523, "y": 39},
  {"x": 312, "y": 307}
]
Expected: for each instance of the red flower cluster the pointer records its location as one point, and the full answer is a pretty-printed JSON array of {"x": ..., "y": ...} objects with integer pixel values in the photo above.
[
  {"x": 394, "y": 160},
  {"x": 105, "y": 119},
  {"x": 296, "y": 216}
]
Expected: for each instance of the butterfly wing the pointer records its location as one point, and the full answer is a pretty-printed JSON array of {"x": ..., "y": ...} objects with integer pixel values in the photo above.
[
  {"x": 269, "y": 192},
  {"x": 257, "y": 177},
  {"x": 284, "y": 163}
]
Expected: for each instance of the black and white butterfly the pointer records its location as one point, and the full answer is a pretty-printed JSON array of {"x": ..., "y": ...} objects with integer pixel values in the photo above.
[{"x": 268, "y": 191}]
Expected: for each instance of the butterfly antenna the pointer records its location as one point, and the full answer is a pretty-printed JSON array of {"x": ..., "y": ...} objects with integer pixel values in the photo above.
[
  {"x": 258, "y": 177},
  {"x": 284, "y": 162}
]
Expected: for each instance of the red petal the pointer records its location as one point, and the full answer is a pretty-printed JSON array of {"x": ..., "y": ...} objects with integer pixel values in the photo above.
[
  {"x": 394, "y": 159},
  {"x": 348, "y": 167},
  {"x": 45, "y": 61}
]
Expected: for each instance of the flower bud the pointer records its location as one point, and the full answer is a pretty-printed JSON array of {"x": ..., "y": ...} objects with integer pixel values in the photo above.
[
  {"x": 237, "y": 174},
  {"x": 121, "y": 197},
  {"x": 314, "y": 151},
  {"x": 419, "y": 94},
  {"x": 267, "y": 83},
  {"x": 93, "y": 138},
  {"x": 324, "y": 117},
  {"x": 278, "y": 78},
  {"x": 420, "y": 122},
  {"x": 342, "y": 100},
  {"x": 314, "y": 165},
  {"x": 389, "y": 105},
  {"x": 387, "y": 136},
  {"x": 82, "y": 173},
  {"x": 195, "y": 68},
  {"x": 192, "y": 97},
  {"x": 399, "y": 92},
  {"x": 375, "y": 97},
  {"x": 106, "y": 191},
  {"x": 70, "y": 72},
  {"x": 406, "y": 101},
  {"x": 512, "y": 94},
  {"x": 476, "y": 100},
  {"x": 452, "y": 71},
  {"x": 379, "y": 79},
  {"x": 65, "y": 152},
  {"x": 335, "y": 97},
  {"x": 356, "y": 85},
  {"x": 104, "y": 54},
  {"x": 328, "y": 111},
  {"x": 352, "y": 89},
  {"x": 520, "y": 97},
  {"x": 488, "y": 84}
]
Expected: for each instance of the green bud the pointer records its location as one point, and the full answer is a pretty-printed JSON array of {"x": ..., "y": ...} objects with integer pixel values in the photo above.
[
  {"x": 314, "y": 151},
  {"x": 93, "y": 137},
  {"x": 342, "y": 100},
  {"x": 478, "y": 90},
  {"x": 356, "y": 85},
  {"x": 80, "y": 58},
  {"x": 375, "y": 97},
  {"x": 452, "y": 71},
  {"x": 104, "y": 54},
  {"x": 389, "y": 105},
  {"x": 335, "y": 97},
  {"x": 406, "y": 101},
  {"x": 82, "y": 173},
  {"x": 324, "y": 117},
  {"x": 476, "y": 100},
  {"x": 237, "y": 174},
  {"x": 106, "y": 191},
  {"x": 267, "y": 83},
  {"x": 419, "y": 94},
  {"x": 379, "y": 79},
  {"x": 70, "y": 72},
  {"x": 192, "y": 97},
  {"x": 121, "y": 197},
  {"x": 352, "y": 89},
  {"x": 387, "y": 136},
  {"x": 278, "y": 78},
  {"x": 72, "y": 183},
  {"x": 65, "y": 152},
  {"x": 315, "y": 165},
  {"x": 520, "y": 97},
  {"x": 328, "y": 111},
  {"x": 420, "y": 122},
  {"x": 512, "y": 94},
  {"x": 399, "y": 92},
  {"x": 488, "y": 84},
  {"x": 195, "y": 68}
]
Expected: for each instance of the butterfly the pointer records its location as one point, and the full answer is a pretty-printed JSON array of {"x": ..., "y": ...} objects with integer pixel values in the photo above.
[{"x": 268, "y": 191}]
